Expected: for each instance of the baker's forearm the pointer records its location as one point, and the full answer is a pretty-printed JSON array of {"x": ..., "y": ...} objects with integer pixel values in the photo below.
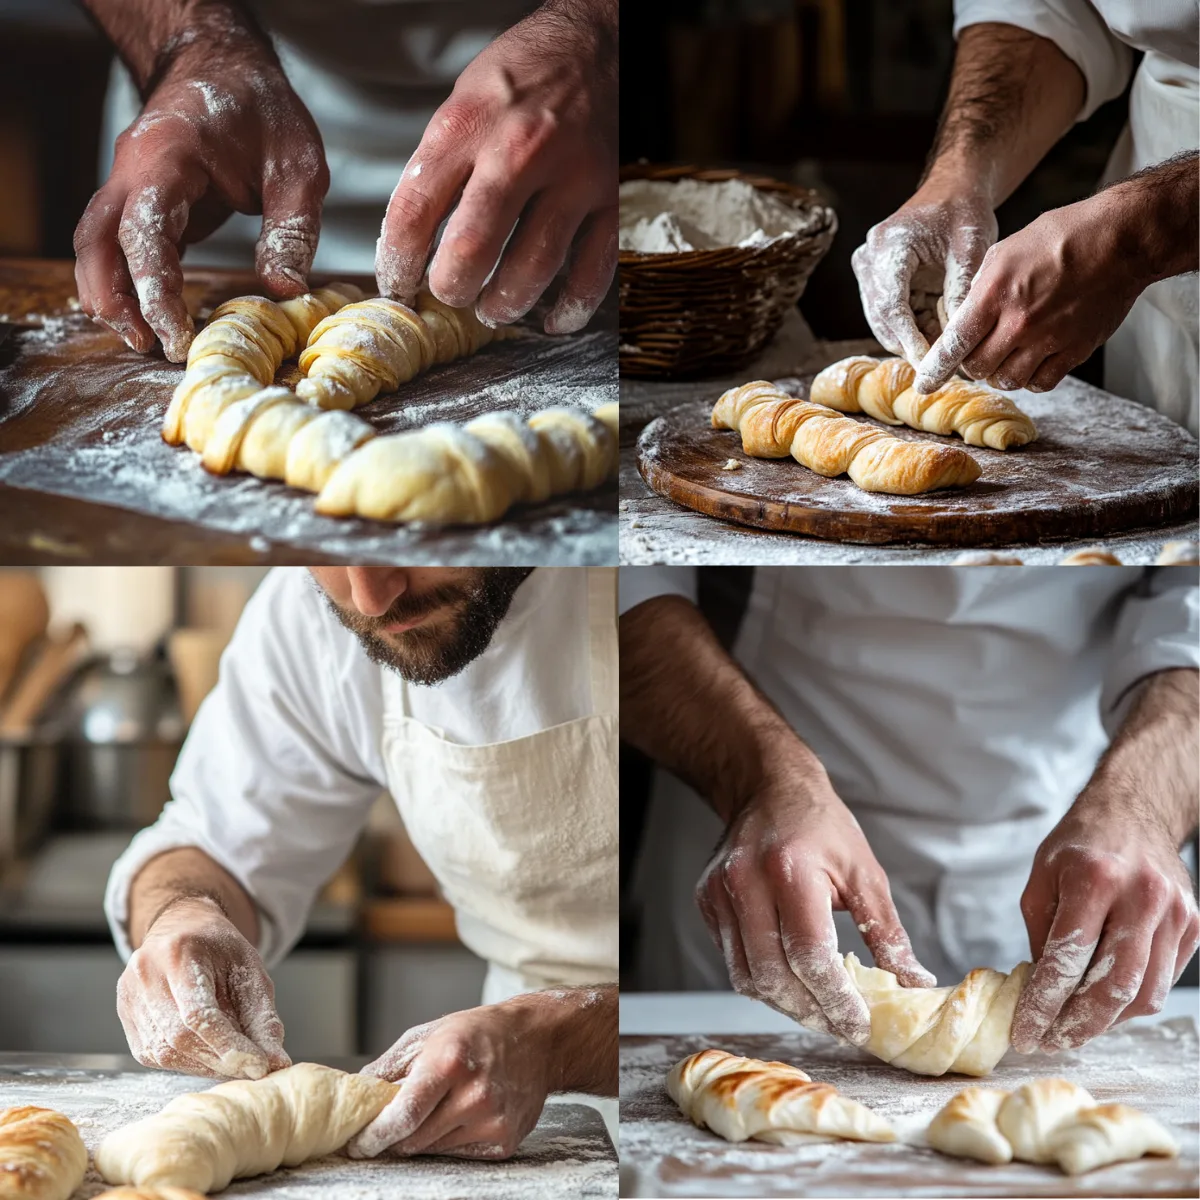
[
  {"x": 1152, "y": 767},
  {"x": 183, "y": 876},
  {"x": 1161, "y": 207},
  {"x": 149, "y": 34},
  {"x": 581, "y": 1025},
  {"x": 1012, "y": 96},
  {"x": 688, "y": 705}
]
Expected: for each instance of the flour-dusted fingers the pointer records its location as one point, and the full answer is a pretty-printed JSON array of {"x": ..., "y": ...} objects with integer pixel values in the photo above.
[
  {"x": 593, "y": 263},
  {"x": 717, "y": 909},
  {"x": 968, "y": 244},
  {"x": 1018, "y": 368},
  {"x": 152, "y": 225},
  {"x": 423, "y": 1089},
  {"x": 537, "y": 249},
  {"x": 101, "y": 273},
  {"x": 293, "y": 195},
  {"x": 970, "y": 325},
  {"x": 1051, "y": 373},
  {"x": 194, "y": 993},
  {"x": 868, "y": 899},
  {"x": 884, "y": 267}
]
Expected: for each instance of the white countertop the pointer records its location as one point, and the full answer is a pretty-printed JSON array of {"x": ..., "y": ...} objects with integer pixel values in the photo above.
[{"x": 727, "y": 1012}]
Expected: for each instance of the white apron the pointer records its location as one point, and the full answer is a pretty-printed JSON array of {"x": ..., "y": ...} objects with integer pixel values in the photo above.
[
  {"x": 522, "y": 835},
  {"x": 1153, "y": 356}
]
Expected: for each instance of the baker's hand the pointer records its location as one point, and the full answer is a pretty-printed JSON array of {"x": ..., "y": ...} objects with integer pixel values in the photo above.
[
  {"x": 790, "y": 857},
  {"x": 222, "y": 132},
  {"x": 474, "y": 1082},
  {"x": 195, "y": 997},
  {"x": 1112, "y": 922},
  {"x": 933, "y": 243},
  {"x": 1043, "y": 300},
  {"x": 528, "y": 138}
]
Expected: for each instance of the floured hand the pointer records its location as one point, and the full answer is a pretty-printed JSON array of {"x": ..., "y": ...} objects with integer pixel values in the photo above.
[
  {"x": 931, "y": 245},
  {"x": 222, "y": 132},
  {"x": 473, "y": 1082},
  {"x": 195, "y": 997},
  {"x": 527, "y": 139},
  {"x": 791, "y": 856}
]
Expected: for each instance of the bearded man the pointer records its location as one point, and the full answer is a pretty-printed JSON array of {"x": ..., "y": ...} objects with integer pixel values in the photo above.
[{"x": 484, "y": 701}]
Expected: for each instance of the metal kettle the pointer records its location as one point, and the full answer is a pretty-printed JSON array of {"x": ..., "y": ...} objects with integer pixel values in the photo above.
[{"x": 121, "y": 729}]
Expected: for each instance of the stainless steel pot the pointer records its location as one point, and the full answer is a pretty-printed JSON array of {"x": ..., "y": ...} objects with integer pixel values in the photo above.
[{"x": 121, "y": 731}]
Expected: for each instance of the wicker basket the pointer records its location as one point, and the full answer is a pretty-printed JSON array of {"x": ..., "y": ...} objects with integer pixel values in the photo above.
[{"x": 708, "y": 312}]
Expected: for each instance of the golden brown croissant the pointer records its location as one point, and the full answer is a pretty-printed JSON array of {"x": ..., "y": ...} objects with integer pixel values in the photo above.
[
  {"x": 375, "y": 345},
  {"x": 42, "y": 1156},
  {"x": 740, "y": 1098},
  {"x": 883, "y": 389},
  {"x": 774, "y": 425}
]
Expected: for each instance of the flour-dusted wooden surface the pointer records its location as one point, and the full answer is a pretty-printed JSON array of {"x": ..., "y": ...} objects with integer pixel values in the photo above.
[
  {"x": 657, "y": 530},
  {"x": 663, "y": 1154},
  {"x": 80, "y": 418},
  {"x": 568, "y": 1154}
]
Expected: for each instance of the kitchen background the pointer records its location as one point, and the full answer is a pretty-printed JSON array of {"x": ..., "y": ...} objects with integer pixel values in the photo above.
[{"x": 101, "y": 670}]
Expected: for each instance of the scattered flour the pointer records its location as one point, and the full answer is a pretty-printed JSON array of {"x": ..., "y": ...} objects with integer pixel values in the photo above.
[{"x": 666, "y": 218}]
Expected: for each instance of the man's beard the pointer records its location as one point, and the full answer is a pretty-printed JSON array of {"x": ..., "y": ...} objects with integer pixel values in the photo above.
[{"x": 468, "y": 614}]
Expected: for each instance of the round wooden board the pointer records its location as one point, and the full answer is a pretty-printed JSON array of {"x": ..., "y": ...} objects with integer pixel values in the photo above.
[{"x": 1101, "y": 465}]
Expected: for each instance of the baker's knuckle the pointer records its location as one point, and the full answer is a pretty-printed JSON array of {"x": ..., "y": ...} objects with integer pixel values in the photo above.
[{"x": 459, "y": 119}]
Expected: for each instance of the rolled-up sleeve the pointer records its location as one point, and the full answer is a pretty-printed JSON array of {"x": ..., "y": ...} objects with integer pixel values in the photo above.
[
  {"x": 1074, "y": 26},
  {"x": 1158, "y": 629},
  {"x": 639, "y": 584},
  {"x": 276, "y": 778}
]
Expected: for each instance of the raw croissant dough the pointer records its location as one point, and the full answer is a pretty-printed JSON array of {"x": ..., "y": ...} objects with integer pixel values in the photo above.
[
  {"x": 42, "y": 1156},
  {"x": 246, "y": 1127},
  {"x": 883, "y": 389},
  {"x": 153, "y": 1193},
  {"x": 227, "y": 410},
  {"x": 1046, "y": 1121},
  {"x": 930, "y": 1031},
  {"x": 740, "y": 1098},
  {"x": 774, "y": 425}
]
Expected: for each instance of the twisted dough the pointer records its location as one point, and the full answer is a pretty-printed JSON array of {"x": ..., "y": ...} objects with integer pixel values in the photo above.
[
  {"x": 376, "y": 345},
  {"x": 774, "y": 424},
  {"x": 203, "y": 1140},
  {"x": 42, "y": 1156},
  {"x": 883, "y": 389},
  {"x": 930, "y": 1031},
  {"x": 740, "y": 1098}
]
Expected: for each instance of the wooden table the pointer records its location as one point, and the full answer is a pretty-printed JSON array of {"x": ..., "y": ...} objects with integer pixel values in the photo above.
[{"x": 86, "y": 478}]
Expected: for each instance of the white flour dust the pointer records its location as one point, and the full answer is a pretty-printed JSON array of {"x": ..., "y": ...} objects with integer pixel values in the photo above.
[{"x": 666, "y": 218}]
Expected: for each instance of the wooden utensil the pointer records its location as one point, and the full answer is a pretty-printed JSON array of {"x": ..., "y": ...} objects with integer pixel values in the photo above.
[
  {"x": 24, "y": 615},
  {"x": 56, "y": 658}
]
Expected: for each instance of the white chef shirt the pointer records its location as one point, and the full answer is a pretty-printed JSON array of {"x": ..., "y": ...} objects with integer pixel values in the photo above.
[
  {"x": 1098, "y": 36},
  {"x": 283, "y": 762},
  {"x": 958, "y": 712}
]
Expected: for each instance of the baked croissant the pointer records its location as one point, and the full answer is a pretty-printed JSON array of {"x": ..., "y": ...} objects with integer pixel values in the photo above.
[
  {"x": 1045, "y": 1121},
  {"x": 883, "y": 389},
  {"x": 204, "y": 1140},
  {"x": 930, "y": 1031},
  {"x": 149, "y": 1193},
  {"x": 1091, "y": 557},
  {"x": 238, "y": 352},
  {"x": 1178, "y": 554},
  {"x": 42, "y": 1156},
  {"x": 740, "y": 1098},
  {"x": 375, "y": 345},
  {"x": 473, "y": 473},
  {"x": 774, "y": 425}
]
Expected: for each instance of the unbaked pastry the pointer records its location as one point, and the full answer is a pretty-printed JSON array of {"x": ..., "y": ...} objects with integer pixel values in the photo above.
[
  {"x": 1045, "y": 1121},
  {"x": 149, "y": 1193},
  {"x": 883, "y": 389},
  {"x": 42, "y": 1156},
  {"x": 740, "y": 1098},
  {"x": 930, "y": 1031},
  {"x": 774, "y": 425},
  {"x": 203, "y": 1140},
  {"x": 1178, "y": 554},
  {"x": 1092, "y": 556},
  {"x": 375, "y": 345},
  {"x": 986, "y": 558}
]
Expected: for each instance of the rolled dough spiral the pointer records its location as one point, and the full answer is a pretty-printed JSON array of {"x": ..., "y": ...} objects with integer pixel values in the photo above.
[
  {"x": 883, "y": 389},
  {"x": 774, "y": 425},
  {"x": 203, "y": 1140},
  {"x": 740, "y": 1098},
  {"x": 42, "y": 1156},
  {"x": 930, "y": 1031}
]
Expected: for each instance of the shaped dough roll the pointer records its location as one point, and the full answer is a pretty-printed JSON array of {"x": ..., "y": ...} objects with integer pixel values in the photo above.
[
  {"x": 204, "y": 1140},
  {"x": 740, "y": 1098},
  {"x": 376, "y": 345},
  {"x": 930, "y": 1031},
  {"x": 966, "y": 1126},
  {"x": 1092, "y": 557},
  {"x": 1031, "y": 1114},
  {"x": 137, "y": 1193},
  {"x": 1178, "y": 554},
  {"x": 774, "y": 425},
  {"x": 42, "y": 1156},
  {"x": 1106, "y": 1134},
  {"x": 883, "y": 389}
]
